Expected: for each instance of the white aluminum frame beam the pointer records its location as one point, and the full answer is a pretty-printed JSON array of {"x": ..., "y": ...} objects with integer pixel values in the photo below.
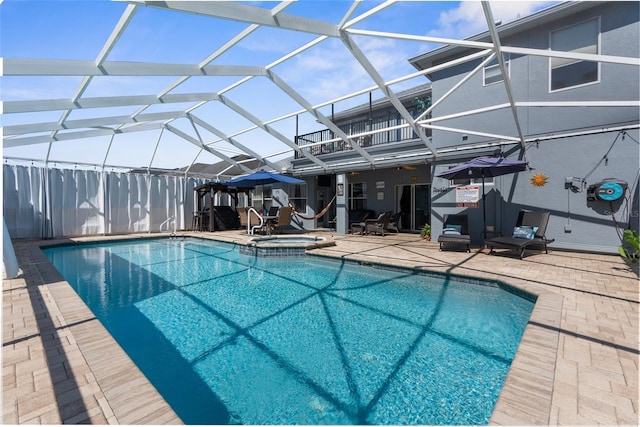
[
  {"x": 41, "y": 139},
  {"x": 317, "y": 114},
  {"x": 503, "y": 69},
  {"x": 104, "y": 102},
  {"x": 246, "y": 13},
  {"x": 270, "y": 130},
  {"x": 257, "y": 17},
  {"x": 224, "y": 48},
  {"x": 508, "y": 49},
  {"x": 200, "y": 144},
  {"x": 377, "y": 78},
  {"x": 229, "y": 139},
  {"x": 62, "y": 67},
  {"x": 117, "y": 32},
  {"x": 472, "y": 132},
  {"x": 456, "y": 86},
  {"x": 90, "y": 123}
]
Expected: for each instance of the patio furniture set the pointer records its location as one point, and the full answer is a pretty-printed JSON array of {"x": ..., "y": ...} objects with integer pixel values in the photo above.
[
  {"x": 386, "y": 222},
  {"x": 272, "y": 223},
  {"x": 528, "y": 233}
]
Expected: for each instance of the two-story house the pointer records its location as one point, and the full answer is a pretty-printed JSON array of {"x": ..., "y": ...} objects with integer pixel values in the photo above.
[{"x": 569, "y": 107}]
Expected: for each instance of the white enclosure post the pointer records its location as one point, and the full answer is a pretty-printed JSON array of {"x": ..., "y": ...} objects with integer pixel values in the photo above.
[{"x": 8, "y": 254}]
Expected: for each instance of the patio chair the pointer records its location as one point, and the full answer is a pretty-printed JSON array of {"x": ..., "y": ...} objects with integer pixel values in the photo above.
[
  {"x": 378, "y": 225},
  {"x": 529, "y": 232},
  {"x": 284, "y": 219},
  {"x": 242, "y": 213},
  {"x": 357, "y": 218},
  {"x": 394, "y": 222},
  {"x": 455, "y": 232}
]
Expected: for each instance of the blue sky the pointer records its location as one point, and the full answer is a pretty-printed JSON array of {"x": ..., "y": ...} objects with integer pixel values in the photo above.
[{"x": 77, "y": 30}]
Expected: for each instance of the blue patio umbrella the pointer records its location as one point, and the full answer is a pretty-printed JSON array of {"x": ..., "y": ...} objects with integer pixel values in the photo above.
[
  {"x": 482, "y": 167},
  {"x": 262, "y": 178}
]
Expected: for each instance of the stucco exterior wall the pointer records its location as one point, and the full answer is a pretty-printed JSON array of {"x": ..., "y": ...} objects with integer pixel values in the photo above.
[
  {"x": 620, "y": 31},
  {"x": 575, "y": 223}
]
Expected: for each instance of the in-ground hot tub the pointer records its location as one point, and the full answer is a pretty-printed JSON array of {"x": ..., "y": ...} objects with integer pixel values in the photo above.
[{"x": 284, "y": 245}]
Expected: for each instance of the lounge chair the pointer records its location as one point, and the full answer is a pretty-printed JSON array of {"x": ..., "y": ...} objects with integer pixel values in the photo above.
[
  {"x": 378, "y": 225},
  {"x": 455, "y": 232},
  {"x": 529, "y": 232},
  {"x": 394, "y": 222}
]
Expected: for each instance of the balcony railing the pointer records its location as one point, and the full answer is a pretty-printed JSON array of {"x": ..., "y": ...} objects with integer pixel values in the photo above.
[{"x": 326, "y": 142}]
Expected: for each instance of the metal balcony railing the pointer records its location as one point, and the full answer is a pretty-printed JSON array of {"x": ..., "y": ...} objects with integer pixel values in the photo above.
[{"x": 326, "y": 142}]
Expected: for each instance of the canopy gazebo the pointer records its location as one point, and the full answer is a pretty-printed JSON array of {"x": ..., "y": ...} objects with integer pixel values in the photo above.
[{"x": 207, "y": 215}]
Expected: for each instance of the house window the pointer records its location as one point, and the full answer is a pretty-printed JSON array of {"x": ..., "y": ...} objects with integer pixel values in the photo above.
[
  {"x": 262, "y": 200},
  {"x": 580, "y": 38},
  {"x": 358, "y": 195},
  {"x": 492, "y": 72},
  {"x": 298, "y": 196}
]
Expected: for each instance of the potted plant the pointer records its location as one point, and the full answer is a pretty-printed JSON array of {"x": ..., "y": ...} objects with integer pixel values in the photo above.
[
  {"x": 425, "y": 233},
  {"x": 631, "y": 250}
]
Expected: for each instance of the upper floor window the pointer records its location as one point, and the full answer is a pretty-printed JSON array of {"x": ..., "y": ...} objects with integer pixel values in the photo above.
[
  {"x": 580, "y": 38},
  {"x": 492, "y": 72}
]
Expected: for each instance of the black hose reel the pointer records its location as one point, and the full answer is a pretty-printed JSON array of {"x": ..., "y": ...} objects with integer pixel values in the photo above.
[{"x": 607, "y": 190}]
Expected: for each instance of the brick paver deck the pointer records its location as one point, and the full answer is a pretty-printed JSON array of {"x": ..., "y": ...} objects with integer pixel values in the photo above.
[{"x": 577, "y": 363}]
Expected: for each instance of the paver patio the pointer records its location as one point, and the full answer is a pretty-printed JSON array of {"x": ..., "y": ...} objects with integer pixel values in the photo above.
[{"x": 577, "y": 363}]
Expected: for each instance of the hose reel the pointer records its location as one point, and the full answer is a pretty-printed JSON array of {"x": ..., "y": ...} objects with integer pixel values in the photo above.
[{"x": 607, "y": 190}]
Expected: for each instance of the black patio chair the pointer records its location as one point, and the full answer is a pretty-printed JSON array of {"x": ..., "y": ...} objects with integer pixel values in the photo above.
[
  {"x": 378, "y": 225},
  {"x": 455, "y": 232},
  {"x": 529, "y": 231}
]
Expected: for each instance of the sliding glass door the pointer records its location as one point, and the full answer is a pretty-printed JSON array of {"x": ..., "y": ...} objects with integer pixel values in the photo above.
[{"x": 413, "y": 201}]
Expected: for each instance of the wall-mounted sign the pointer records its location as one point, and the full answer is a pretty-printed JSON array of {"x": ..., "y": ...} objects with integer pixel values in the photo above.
[
  {"x": 468, "y": 196},
  {"x": 380, "y": 195},
  {"x": 379, "y": 184}
]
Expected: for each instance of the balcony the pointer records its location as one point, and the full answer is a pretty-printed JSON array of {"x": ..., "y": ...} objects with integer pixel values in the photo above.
[{"x": 377, "y": 131}]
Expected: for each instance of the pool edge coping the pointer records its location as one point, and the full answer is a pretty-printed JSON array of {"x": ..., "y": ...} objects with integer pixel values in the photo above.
[
  {"x": 526, "y": 395},
  {"x": 75, "y": 311}
]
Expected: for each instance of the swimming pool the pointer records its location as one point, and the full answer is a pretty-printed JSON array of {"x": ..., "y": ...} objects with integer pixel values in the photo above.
[{"x": 228, "y": 338}]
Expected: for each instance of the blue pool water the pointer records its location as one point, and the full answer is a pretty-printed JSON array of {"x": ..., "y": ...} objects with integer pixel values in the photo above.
[{"x": 229, "y": 338}]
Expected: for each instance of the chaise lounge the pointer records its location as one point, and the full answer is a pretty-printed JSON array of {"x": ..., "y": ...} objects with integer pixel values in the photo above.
[
  {"x": 529, "y": 232},
  {"x": 455, "y": 232}
]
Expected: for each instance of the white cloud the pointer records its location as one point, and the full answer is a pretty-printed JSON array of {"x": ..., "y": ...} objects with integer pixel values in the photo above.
[
  {"x": 468, "y": 18},
  {"x": 330, "y": 70}
]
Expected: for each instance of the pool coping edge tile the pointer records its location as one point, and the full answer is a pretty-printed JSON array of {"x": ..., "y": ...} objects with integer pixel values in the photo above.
[
  {"x": 100, "y": 351},
  {"x": 526, "y": 395}
]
